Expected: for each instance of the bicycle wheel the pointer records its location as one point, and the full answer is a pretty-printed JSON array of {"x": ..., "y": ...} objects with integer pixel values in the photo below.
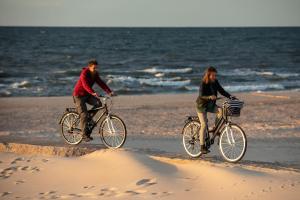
[
  {"x": 70, "y": 129},
  {"x": 233, "y": 143},
  {"x": 113, "y": 132},
  {"x": 190, "y": 139}
]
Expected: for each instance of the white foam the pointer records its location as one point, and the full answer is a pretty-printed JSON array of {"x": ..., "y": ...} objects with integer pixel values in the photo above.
[
  {"x": 286, "y": 75},
  {"x": 262, "y": 87},
  {"x": 155, "y": 70},
  {"x": 22, "y": 84},
  {"x": 159, "y": 74},
  {"x": 265, "y": 73},
  {"x": 249, "y": 72},
  {"x": 167, "y": 82}
]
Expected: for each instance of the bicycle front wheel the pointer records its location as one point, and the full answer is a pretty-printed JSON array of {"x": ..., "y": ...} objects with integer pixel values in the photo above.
[
  {"x": 233, "y": 143},
  {"x": 190, "y": 139},
  {"x": 113, "y": 132}
]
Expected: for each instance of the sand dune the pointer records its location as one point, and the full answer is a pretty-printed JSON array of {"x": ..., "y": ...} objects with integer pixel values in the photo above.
[{"x": 124, "y": 174}]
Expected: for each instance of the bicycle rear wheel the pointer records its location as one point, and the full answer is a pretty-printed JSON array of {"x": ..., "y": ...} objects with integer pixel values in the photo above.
[
  {"x": 233, "y": 143},
  {"x": 113, "y": 132},
  {"x": 190, "y": 139},
  {"x": 70, "y": 129}
]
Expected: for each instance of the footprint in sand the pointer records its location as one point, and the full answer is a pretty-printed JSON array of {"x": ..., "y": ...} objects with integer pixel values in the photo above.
[
  {"x": 88, "y": 187},
  {"x": 73, "y": 195},
  {"x": 146, "y": 182},
  {"x": 28, "y": 168},
  {"x": 6, "y": 173},
  {"x": 163, "y": 194},
  {"x": 45, "y": 160},
  {"x": 19, "y": 182},
  {"x": 49, "y": 195},
  {"x": 109, "y": 192},
  {"x": 132, "y": 192},
  {"x": 3, "y": 194},
  {"x": 16, "y": 160},
  {"x": 292, "y": 184}
]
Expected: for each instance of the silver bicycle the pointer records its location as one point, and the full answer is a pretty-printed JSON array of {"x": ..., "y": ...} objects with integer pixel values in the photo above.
[
  {"x": 232, "y": 139},
  {"x": 112, "y": 129}
]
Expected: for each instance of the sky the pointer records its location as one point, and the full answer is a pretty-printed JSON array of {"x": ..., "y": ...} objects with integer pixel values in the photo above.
[{"x": 153, "y": 13}]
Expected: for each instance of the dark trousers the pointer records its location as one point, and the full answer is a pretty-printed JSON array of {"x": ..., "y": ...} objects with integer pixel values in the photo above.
[{"x": 81, "y": 107}]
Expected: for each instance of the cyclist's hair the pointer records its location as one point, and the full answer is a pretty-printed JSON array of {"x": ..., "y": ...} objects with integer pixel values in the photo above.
[
  {"x": 207, "y": 73},
  {"x": 93, "y": 62}
]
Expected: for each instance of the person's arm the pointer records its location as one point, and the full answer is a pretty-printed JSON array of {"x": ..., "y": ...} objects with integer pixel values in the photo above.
[
  {"x": 85, "y": 84},
  {"x": 222, "y": 91},
  {"x": 103, "y": 85}
]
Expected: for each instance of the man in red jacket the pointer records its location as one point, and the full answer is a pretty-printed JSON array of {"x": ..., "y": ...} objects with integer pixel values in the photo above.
[{"x": 83, "y": 93}]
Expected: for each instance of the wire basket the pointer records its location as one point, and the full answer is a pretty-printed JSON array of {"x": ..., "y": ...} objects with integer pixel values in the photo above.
[{"x": 233, "y": 107}]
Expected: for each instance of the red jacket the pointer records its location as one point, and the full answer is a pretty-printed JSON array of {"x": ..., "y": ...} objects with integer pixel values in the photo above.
[{"x": 85, "y": 83}]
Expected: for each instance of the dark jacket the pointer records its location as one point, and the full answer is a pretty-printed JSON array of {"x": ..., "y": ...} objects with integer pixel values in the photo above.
[
  {"x": 204, "y": 104},
  {"x": 85, "y": 83}
]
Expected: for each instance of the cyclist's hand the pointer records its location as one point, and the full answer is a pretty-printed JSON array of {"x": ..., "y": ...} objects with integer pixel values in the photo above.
[
  {"x": 233, "y": 98},
  {"x": 95, "y": 94},
  {"x": 112, "y": 94},
  {"x": 213, "y": 97}
]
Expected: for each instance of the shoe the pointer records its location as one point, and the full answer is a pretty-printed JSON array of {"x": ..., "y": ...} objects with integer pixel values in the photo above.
[
  {"x": 204, "y": 150},
  {"x": 211, "y": 129},
  {"x": 87, "y": 138}
]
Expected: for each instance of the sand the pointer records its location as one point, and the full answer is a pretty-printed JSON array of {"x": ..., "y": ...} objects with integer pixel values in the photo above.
[
  {"x": 152, "y": 163},
  {"x": 264, "y": 114},
  {"x": 121, "y": 174}
]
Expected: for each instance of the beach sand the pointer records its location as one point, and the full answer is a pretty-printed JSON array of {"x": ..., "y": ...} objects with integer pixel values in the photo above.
[
  {"x": 121, "y": 174},
  {"x": 152, "y": 163},
  {"x": 264, "y": 114}
]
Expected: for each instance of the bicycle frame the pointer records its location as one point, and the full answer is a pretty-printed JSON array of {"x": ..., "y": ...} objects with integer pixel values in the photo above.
[
  {"x": 219, "y": 126},
  {"x": 100, "y": 118}
]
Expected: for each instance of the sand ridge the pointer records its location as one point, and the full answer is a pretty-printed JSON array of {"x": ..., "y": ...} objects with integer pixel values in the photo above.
[{"x": 124, "y": 174}]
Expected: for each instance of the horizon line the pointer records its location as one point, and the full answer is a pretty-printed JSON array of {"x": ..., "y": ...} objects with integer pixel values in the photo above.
[{"x": 68, "y": 26}]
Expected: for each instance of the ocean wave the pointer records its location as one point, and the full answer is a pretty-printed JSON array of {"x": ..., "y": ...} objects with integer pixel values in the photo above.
[
  {"x": 265, "y": 73},
  {"x": 23, "y": 84},
  {"x": 165, "y": 83},
  {"x": 159, "y": 74},
  {"x": 261, "y": 87},
  {"x": 251, "y": 72},
  {"x": 192, "y": 88},
  {"x": 287, "y": 75},
  {"x": 155, "y": 70},
  {"x": 162, "y": 82},
  {"x": 5, "y": 93}
]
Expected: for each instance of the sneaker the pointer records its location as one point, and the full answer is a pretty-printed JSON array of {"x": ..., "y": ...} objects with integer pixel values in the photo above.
[
  {"x": 211, "y": 129},
  {"x": 204, "y": 150},
  {"x": 87, "y": 138}
]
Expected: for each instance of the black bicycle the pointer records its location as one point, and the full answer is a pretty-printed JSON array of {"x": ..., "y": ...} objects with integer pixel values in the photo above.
[
  {"x": 232, "y": 139},
  {"x": 112, "y": 129}
]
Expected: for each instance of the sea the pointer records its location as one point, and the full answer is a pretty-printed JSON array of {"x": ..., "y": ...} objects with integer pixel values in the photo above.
[{"x": 47, "y": 61}]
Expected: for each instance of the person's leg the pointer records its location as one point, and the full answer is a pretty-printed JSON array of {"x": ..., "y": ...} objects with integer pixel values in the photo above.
[
  {"x": 204, "y": 123},
  {"x": 94, "y": 101},
  {"x": 218, "y": 115},
  {"x": 80, "y": 103}
]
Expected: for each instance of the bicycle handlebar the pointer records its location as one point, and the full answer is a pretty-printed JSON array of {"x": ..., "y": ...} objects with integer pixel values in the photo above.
[{"x": 232, "y": 98}]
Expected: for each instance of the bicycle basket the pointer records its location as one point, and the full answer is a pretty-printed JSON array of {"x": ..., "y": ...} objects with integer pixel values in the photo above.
[{"x": 233, "y": 107}]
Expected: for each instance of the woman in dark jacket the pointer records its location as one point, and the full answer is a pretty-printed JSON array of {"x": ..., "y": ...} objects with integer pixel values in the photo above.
[{"x": 206, "y": 101}]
